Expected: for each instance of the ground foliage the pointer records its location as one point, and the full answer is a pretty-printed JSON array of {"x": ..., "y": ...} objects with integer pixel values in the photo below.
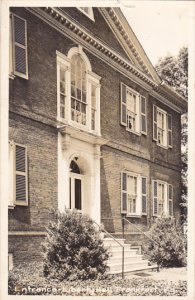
[{"x": 23, "y": 279}]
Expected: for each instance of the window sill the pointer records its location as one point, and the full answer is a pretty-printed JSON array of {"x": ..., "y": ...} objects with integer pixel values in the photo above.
[
  {"x": 134, "y": 132},
  {"x": 77, "y": 126},
  {"x": 133, "y": 216},
  {"x": 11, "y": 206},
  {"x": 162, "y": 146},
  {"x": 12, "y": 76}
]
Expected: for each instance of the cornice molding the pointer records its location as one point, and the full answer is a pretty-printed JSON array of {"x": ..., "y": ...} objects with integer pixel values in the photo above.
[
  {"x": 73, "y": 30},
  {"x": 62, "y": 22},
  {"x": 132, "y": 42}
]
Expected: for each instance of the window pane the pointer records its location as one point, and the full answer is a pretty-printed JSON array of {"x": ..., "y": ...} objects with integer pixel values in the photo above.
[
  {"x": 62, "y": 112},
  {"x": 62, "y": 99}
]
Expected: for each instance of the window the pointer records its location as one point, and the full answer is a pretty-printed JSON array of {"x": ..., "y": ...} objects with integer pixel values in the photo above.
[
  {"x": 133, "y": 194},
  {"x": 162, "y": 198},
  {"x": 18, "y": 47},
  {"x": 18, "y": 175},
  {"x": 88, "y": 11},
  {"x": 133, "y": 110},
  {"x": 78, "y": 91},
  {"x": 162, "y": 127},
  {"x": 75, "y": 186}
]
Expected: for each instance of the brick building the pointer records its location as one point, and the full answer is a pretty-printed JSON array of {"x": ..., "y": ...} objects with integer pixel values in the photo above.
[{"x": 91, "y": 125}]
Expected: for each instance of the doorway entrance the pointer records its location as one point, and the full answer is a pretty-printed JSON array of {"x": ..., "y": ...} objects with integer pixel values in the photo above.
[{"x": 76, "y": 186}]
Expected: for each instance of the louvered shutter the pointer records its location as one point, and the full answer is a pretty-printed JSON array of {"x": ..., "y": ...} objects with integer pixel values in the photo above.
[
  {"x": 123, "y": 105},
  {"x": 170, "y": 199},
  {"x": 20, "y": 46},
  {"x": 170, "y": 144},
  {"x": 21, "y": 180},
  {"x": 144, "y": 196},
  {"x": 154, "y": 123},
  {"x": 143, "y": 115},
  {"x": 155, "y": 198},
  {"x": 123, "y": 192}
]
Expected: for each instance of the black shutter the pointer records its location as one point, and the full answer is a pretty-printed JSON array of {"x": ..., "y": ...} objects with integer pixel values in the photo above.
[
  {"x": 170, "y": 143},
  {"x": 170, "y": 199},
  {"x": 144, "y": 195},
  {"x": 21, "y": 185},
  {"x": 154, "y": 123},
  {"x": 123, "y": 192},
  {"x": 155, "y": 198},
  {"x": 143, "y": 115},
  {"x": 20, "y": 46},
  {"x": 123, "y": 105}
]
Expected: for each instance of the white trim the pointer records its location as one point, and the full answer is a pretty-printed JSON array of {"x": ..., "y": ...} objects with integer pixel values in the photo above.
[
  {"x": 91, "y": 78},
  {"x": 27, "y": 233},
  {"x": 138, "y": 212},
  {"x": 166, "y": 200},
  {"x": 10, "y": 261},
  {"x": 90, "y": 15},
  {"x": 132, "y": 73}
]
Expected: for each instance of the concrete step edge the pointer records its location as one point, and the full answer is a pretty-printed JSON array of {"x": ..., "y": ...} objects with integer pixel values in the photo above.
[{"x": 133, "y": 270}]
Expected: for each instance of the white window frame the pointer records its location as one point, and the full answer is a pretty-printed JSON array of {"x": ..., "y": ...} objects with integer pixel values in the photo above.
[
  {"x": 167, "y": 130},
  {"x": 138, "y": 212},
  {"x": 136, "y": 112},
  {"x": 139, "y": 114},
  {"x": 166, "y": 200},
  {"x": 91, "y": 79},
  {"x": 89, "y": 14},
  {"x": 72, "y": 177}
]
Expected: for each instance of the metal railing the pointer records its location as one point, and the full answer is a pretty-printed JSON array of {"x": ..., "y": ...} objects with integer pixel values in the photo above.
[
  {"x": 152, "y": 240},
  {"x": 123, "y": 219},
  {"x": 105, "y": 231}
]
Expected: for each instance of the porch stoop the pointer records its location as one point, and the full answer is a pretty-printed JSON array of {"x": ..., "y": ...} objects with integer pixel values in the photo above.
[{"x": 133, "y": 262}]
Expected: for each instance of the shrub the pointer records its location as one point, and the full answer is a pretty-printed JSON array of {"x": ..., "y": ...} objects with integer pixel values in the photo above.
[
  {"x": 171, "y": 247},
  {"x": 73, "y": 248}
]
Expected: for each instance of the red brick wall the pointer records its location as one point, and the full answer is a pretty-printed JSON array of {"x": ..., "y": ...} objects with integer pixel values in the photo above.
[{"x": 41, "y": 142}]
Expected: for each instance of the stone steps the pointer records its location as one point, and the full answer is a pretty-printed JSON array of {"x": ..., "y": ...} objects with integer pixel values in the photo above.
[{"x": 132, "y": 261}]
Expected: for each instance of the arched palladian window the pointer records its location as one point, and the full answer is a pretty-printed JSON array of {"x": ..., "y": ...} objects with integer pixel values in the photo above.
[{"x": 78, "y": 90}]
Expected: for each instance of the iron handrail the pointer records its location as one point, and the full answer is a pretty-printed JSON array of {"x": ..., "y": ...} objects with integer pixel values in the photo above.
[
  {"x": 141, "y": 231},
  {"x": 102, "y": 229},
  {"x": 155, "y": 242}
]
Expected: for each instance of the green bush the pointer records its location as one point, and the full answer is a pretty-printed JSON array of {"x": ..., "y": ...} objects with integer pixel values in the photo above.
[
  {"x": 170, "y": 249},
  {"x": 73, "y": 248}
]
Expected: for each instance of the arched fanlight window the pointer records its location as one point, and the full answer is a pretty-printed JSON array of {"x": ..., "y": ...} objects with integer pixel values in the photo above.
[
  {"x": 78, "y": 90},
  {"x": 74, "y": 168}
]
